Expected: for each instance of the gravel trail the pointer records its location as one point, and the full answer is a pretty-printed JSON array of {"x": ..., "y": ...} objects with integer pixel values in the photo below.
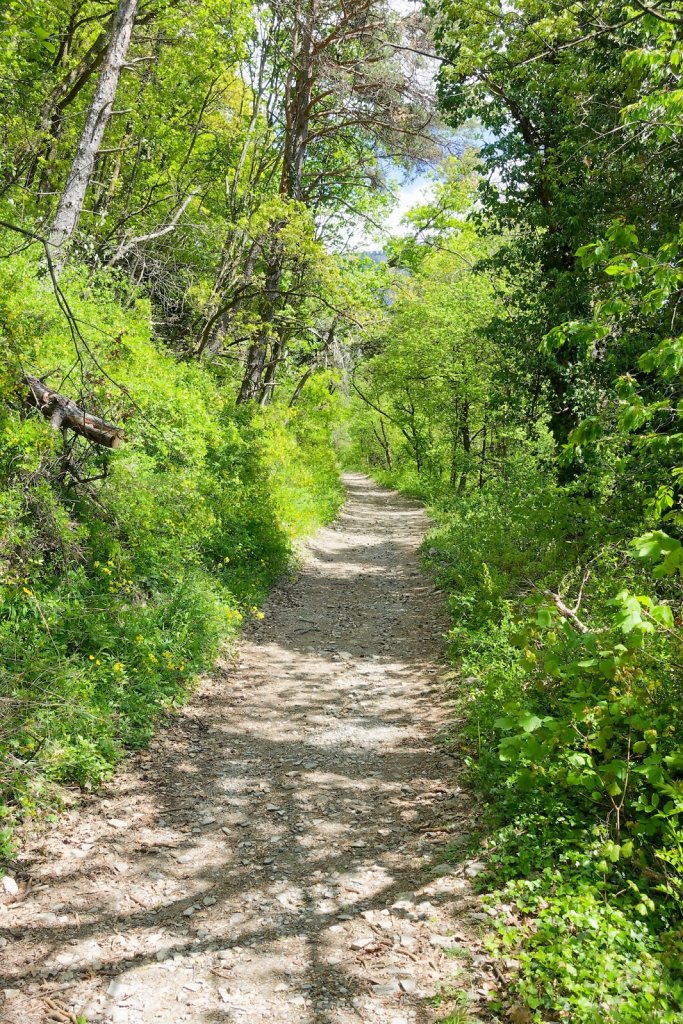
[{"x": 277, "y": 855}]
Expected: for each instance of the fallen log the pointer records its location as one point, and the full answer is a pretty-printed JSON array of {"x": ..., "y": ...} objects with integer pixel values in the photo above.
[{"x": 63, "y": 412}]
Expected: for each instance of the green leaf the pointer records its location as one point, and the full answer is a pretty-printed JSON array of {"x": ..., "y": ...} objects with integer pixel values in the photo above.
[
  {"x": 662, "y": 613},
  {"x": 615, "y": 269},
  {"x": 545, "y": 617},
  {"x": 530, "y": 722},
  {"x": 505, "y": 723}
]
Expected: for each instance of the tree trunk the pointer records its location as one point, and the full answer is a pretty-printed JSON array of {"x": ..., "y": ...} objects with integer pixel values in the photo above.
[
  {"x": 298, "y": 99},
  {"x": 297, "y": 116},
  {"x": 278, "y": 352},
  {"x": 300, "y": 386},
  {"x": 53, "y": 119},
  {"x": 72, "y": 198},
  {"x": 453, "y": 476},
  {"x": 256, "y": 355},
  {"x": 466, "y": 443},
  {"x": 256, "y": 358},
  {"x": 482, "y": 460},
  {"x": 298, "y": 92},
  {"x": 383, "y": 443}
]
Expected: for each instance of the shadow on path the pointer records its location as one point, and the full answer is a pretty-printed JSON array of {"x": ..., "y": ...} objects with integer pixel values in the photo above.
[{"x": 271, "y": 857}]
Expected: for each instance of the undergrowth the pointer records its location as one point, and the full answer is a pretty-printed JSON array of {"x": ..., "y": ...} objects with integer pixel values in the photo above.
[
  {"x": 117, "y": 588},
  {"x": 572, "y": 732}
]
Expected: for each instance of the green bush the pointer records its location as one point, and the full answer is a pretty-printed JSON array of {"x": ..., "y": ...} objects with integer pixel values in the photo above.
[
  {"x": 573, "y": 733},
  {"x": 116, "y": 593}
]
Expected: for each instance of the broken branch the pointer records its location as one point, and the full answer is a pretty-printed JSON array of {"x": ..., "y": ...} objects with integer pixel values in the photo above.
[{"x": 63, "y": 412}]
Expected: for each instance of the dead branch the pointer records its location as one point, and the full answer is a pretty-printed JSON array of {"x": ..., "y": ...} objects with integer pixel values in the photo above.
[
  {"x": 566, "y": 612},
  {"x": 63, "y": 412},
  {"x": 126, "y": 247}
]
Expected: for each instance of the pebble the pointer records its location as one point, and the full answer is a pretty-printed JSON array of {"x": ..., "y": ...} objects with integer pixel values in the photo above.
[
  {"x": 441, "y": 870},
  {"x": 117, "y": 988},
  {"x": 9, "y": 885},
  {"x": 389, "y": 988}
]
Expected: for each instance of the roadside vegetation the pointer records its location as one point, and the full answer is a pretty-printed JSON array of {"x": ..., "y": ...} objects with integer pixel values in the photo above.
[
  {"x": 526, "y": 383},
  {"x": 120, "y": 583},
  {"x": 176, "y": 309}
]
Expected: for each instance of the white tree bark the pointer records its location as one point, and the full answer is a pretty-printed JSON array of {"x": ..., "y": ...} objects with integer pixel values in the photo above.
[{"x": 73, "y": 196}]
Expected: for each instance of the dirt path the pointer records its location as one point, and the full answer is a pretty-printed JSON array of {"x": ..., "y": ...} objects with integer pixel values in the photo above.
[{"x": 278, "y": 854}]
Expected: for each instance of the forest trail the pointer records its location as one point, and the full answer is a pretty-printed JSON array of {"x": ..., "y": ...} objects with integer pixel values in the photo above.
[{"x": 277, "y": 855}]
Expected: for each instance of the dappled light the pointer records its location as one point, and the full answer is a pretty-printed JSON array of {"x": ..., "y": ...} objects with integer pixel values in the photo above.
[
  {"x": 270, "y": 858},
  {"x": 341, "y": 512}
]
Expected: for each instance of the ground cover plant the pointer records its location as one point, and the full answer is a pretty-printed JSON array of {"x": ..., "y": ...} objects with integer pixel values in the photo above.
[{"x": 124, "y": 570}]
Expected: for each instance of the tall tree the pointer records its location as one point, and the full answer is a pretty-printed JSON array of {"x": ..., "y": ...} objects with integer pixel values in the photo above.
[
  {"x": 73, "y": 194},
  {"x": 549, "y": 86},
  {"x": 350, "y": 100}
]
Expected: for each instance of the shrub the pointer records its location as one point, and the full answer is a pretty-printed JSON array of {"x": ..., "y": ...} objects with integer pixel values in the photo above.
[{"x": 115, "y": 594}]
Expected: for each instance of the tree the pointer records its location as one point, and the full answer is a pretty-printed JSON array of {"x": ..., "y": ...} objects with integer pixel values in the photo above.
[
  {"x": 73, "y": 194},
  {"x": 429, "y": 382},
  {"x": 548, "y": 86},
  {"x": 348, "y": 102}
]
